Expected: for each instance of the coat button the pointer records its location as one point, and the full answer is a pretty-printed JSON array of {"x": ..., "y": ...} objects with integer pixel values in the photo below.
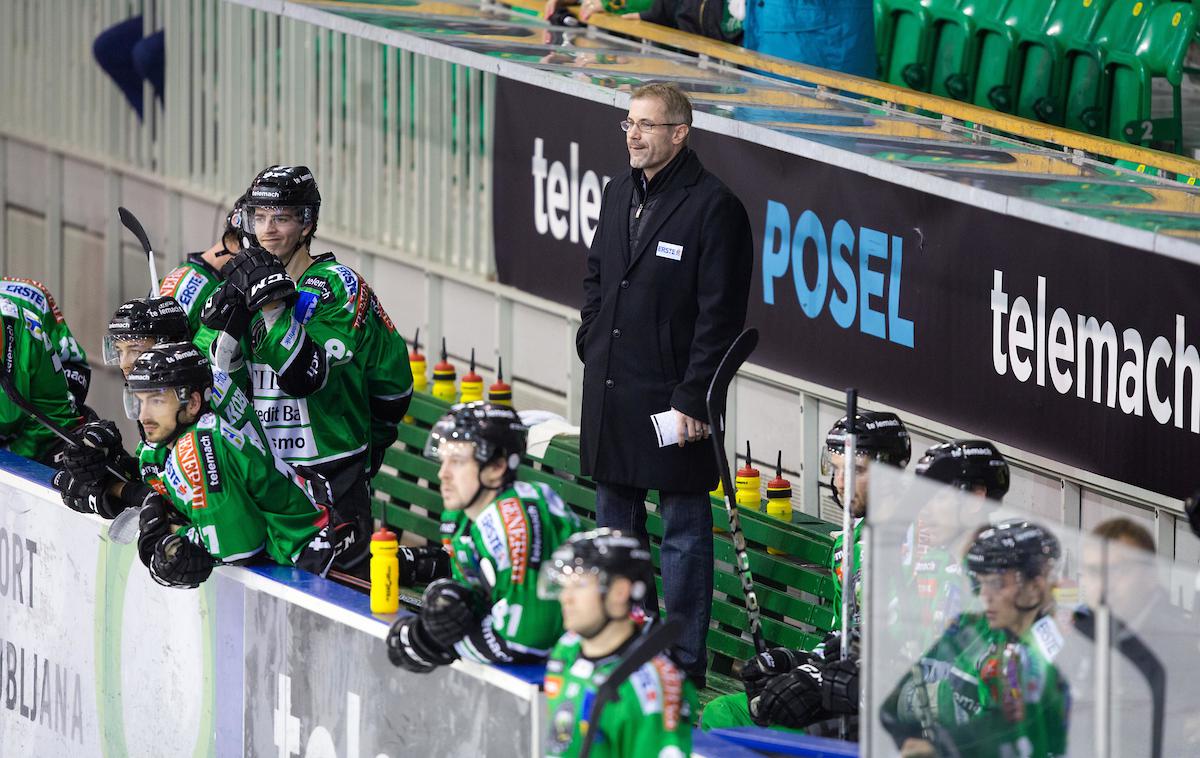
[
  {"x": 609, "y": 383},
  {"x": 616, "y": 332},
  {"x": 624, "y": 284}
]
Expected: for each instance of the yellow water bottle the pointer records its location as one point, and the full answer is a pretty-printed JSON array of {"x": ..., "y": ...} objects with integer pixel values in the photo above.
[
  {"x": 719, "y": 494},
  {"x": 385, "y": 572},
  {"x": 443, "y": 378},
  {"x": 748, "y": 483},
  {"x": 779, "y": 498},
  {"x": 471, "y": 387},
  {"x": 416, "y": 363},
  {"x": 500, "y": 393}
]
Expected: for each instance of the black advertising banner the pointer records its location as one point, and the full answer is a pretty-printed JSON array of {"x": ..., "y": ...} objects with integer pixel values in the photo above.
[{"x": 1070, "y": 347}]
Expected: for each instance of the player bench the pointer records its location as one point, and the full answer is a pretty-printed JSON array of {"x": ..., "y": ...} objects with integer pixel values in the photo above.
[{"x": 794, "y": 586}]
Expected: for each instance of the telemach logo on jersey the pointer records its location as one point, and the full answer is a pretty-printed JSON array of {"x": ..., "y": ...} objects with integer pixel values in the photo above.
[{"x": 212, "y": 476}]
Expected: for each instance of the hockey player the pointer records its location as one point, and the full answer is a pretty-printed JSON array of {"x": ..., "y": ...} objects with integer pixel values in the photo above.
[
  {"x": 989, "y": 687},
  {"x": 797, "y": 689},
  {"x": 43, "y": 317},
  {"x": 329, "y": 372},
  {"x": 600, "y": 579},
  {"x": 31, "y": 372},
  {"x": 498, "y": 531},
  {"x": 136, "y": 326},
  {"x": 221, "y": 499}
]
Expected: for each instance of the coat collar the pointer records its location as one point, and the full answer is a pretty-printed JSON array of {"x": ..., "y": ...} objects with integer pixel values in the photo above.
[{"x": 677, "y": 176}]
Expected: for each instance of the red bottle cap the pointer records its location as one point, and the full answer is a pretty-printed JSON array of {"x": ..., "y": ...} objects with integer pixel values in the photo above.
[{"x": 384, "y": 535}]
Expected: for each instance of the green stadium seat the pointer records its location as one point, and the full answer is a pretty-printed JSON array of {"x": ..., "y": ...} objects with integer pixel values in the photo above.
[
  {"x": 1159, "y": 54},
  {"x": 795, "y": 589},
  {"x": 1084, "y": 62},
  {"x": 999, "y": 41},
  {"x": 1042, "y": 64},
  {"x": 905, "y": 43}
]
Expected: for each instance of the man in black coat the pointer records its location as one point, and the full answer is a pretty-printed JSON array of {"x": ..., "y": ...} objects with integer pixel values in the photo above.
[{"x": 668, "y": 280}]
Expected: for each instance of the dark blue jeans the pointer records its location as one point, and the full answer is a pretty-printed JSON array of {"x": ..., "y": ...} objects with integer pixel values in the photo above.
[{"x": 687, "y": 560}]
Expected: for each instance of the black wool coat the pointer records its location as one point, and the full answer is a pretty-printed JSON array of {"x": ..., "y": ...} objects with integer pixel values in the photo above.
[{"x": 657, "y": 320}]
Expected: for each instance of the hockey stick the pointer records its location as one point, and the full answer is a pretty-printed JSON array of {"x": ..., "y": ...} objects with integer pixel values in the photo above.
[
  {"x": 849, "y": 467},
  {"x": 16, "y": 399},
  {"x": 714, "y": 401},
  {"x": 659, "y": 637},
  {"x": 133, "y": 225}
]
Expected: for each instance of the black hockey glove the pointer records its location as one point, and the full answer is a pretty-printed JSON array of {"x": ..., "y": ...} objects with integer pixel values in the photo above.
[
  {"x": 446, "y": 612},
  {"x": 421, "y": 565},
  {"x": 830, "y": 648},
  {"x": 761, "y": 668},
  {"x": 337, "y": 544},
  {"x": 81, "y": 496},
  {"x": 260, "y": 277},
  {"x": 791, "y": 700},
  {"x": 410, "y": 648},
  {"x": 154, "y": 523},
  {"x": 178, "y": 562},
  {"x": 839, "y": 686},
  {"x": 100, "y": 445}
]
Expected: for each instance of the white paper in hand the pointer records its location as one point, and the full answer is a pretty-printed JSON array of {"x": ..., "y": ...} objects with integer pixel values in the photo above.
[{"x": 666, "y": 427}]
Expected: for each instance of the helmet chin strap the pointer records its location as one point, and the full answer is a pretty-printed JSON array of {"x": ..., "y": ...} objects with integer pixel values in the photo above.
[{"x": 599, "y": 627}]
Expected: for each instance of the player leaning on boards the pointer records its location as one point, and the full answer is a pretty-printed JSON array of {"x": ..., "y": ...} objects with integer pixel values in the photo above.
[
  {"x": 30, "y": 370},
  {"x": 600, "y": 578},
  {"x": 209, "y": 507},
  {"x": 329, "y": 372},
  {"x": 799, "y": 689},
  {"x": 42, "y": 315},
  {"x": 498, "y": 532}
]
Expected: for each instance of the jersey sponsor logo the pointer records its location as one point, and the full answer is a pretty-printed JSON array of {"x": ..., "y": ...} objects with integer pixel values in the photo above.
[
  {"x": 349, "y": 280},
  {"x": 552, "y": 685},
  {"x": 518, "y": 536},
  {"x": 208, "y": 454},
  {"x": 27, "y": 292},
  {"x": 171, "y": 281},
  {"x": 491, "y": 529},
  {"x": 384, "y": 318},
  {"x": 34, "y": 325},
  {"x": 186, "y": 293},
  {"x": 9, "y": 308},
  {"x": 288, "y": 341},
  {"x": 189, "y": 464},
  {"x": 293, "y": 444},
  {"x": 562, "y": 727},
  {"x": 319, "y": 287},
  {"x": 306, "y": 306},
  {"x": 1049, "y": 638},
  {"x": 645, "y": 686},
  {"x": 672, "y": 691}
]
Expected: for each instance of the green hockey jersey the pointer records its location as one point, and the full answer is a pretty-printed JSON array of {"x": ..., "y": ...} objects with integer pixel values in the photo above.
[
  {"x": 995, "y": 694},
  {"x": 33, "y": 369},
  {"x": 191, "y": 285},
  {"x": 236, "y": 502},
  {"x": 365, "y": 359},
  {"x": 835, "y": 568},
  {"x": 652, "y": 715},
  {"x": 44, "y": 319},
  {"x": 499, "y": 554}
]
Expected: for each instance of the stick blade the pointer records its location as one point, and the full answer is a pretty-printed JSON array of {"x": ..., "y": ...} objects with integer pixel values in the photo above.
[{"x": 130, "y": 222}]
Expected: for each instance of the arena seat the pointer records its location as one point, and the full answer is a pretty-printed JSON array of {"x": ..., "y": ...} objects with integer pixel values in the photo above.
[{"x": 794, "y": 586}]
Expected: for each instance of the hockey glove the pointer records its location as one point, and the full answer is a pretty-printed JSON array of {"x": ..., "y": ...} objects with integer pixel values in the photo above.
[
  {"x": 178, "y": 562},
  {"x": 81, "y": 496},
  {"x": 839, "y": 686},
  {"x": 791, "y": 700},
  {"x": 410, "y": 648},
  {"x": 100, "y": 443},
  {"x": 421, "y": 565},
  {"x": 446, "y": 612},
  {"x": 154, "y": 523},
  {"x": 830, "y": 648},
  {"x": 260, "y": 277},
  {"x": 761, "y": 668}
]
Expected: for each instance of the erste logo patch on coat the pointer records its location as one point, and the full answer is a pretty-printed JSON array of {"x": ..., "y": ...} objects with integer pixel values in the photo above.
[
  {"x": 518, "y": 536},
  {"x": 669, "y": 250}
]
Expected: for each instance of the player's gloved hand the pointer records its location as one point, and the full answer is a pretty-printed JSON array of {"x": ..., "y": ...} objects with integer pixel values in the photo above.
[
  {"x": 154, "y": 523},
  {"x": 791, "y": 700},
  {"x": 759, "y": 669},
  {"x": 410, "y": 648},
  {"x": 179, "y": 562},
  {"x": 839, "y": 686},
  {"x": 446, "y": 612},
  {"x": 81, "y": 496},
  {"x": 260, "y": 277},
  {"x": 830, "y": 648},
  {"x": 421, "y": 565},
  {"x": 87, "y": 461}
]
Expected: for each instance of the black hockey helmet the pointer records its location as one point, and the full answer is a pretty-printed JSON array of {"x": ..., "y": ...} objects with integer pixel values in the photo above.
[
  {"x": 174, "y": 365},
  {"x": 967, "y": 464},
  {"x": 604, "y": 553},
  {"x": 496, "y": 430},
  {"x": 879, "y": 435},
  {"x": 161, "y": 319},
  {"x": 1013, "y": 545},
  {"x": 283, "y": 187}
]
